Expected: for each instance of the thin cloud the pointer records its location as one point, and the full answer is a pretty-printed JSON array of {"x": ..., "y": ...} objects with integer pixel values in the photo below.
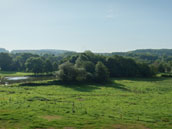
[{"x": 111, "y": 13}]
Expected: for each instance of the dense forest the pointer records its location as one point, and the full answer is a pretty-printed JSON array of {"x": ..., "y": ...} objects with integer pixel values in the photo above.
[{"x": 87, "y": 66}]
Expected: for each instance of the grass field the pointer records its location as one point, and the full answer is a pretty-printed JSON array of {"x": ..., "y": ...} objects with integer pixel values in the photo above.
[
  {"x": 11, "y": 74},
  {"x": 134, "y": 103}
]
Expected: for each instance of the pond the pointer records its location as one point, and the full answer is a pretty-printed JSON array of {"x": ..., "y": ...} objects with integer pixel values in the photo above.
[
  {"x": 20, "y": 79},
  {"x": 16, "y": 78}
]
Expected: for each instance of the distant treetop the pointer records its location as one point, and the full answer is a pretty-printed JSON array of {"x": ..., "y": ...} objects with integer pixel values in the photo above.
[{"x": 3, "y": 50}]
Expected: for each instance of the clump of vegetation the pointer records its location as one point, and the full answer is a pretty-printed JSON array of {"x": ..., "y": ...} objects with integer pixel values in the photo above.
[
  {"x": 85, "y": 67},
  {"x": 69, "y": 72},
  {"x": 1, "y": 79}
]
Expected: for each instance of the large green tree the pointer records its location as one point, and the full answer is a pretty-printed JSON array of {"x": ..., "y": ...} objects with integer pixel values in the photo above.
[
  {"x": 5, "y": 62},
  {"x": 35, "y": 65},
  {"x": 67, "y": 72},
  {"x": 48, "y": 67}
]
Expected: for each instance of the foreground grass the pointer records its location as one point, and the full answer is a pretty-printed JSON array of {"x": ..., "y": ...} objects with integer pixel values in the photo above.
[{"x": 124, "y": 104}]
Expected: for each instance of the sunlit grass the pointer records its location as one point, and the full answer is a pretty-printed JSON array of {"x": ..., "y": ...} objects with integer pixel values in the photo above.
[
  {"x": 125, "y": 103},
  {"x": 5, "y": 73}
]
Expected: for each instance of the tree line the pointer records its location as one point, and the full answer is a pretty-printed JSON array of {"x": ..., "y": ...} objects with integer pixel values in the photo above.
[
  {"x": 88, "y": 66},
  {"x": 27, "y": 62},
  {"x": 83, "y": 67}
]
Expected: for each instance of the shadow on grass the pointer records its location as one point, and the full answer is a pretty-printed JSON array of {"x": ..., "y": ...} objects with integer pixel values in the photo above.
[
  {"x": 116, "y": 86},
  {"x": 88, "y": 87},
  {"x": 149, "y": 79},
  {"x": 8, "y": 72},
  {"x": 82, "y": 87}
]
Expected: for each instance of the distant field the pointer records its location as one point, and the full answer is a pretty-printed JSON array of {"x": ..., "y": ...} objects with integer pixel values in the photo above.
[
  {"x": 5, "y": 73},
  {"x": 134, "y": 103}
]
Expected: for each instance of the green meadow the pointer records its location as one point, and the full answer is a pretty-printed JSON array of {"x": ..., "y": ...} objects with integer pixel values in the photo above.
[
  {"x": 125, "y": 103},
  {"x": 13, "y": 74}
]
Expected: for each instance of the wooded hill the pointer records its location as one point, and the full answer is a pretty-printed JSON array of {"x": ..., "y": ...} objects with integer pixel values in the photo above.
[
  {"x": 42, "y": 51},
  {"x": 156, "y": 52},
  {"x": 3, "y": 50}
]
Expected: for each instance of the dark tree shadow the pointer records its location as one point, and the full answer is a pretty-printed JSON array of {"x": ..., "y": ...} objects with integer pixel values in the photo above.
[
  {"x": 88, "y": 87},
  {"x": 76, "y": 86},
  {"x": 148, "y": 79},
  {"x": 7, "y": 72},
  {"x": 82, "y": 87},
  {"x": 116, "y": 86}
]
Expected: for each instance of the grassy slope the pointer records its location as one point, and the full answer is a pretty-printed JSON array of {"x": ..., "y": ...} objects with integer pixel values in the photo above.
[{"x": 131, "y": 103}]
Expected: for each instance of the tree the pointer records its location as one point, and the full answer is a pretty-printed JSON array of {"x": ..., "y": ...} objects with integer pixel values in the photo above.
[
  {"x": 129, "y": 67},
  {"x": 113, "y": 66},
  {"x": 87, "y": 68},
  {"x": 161, "y": 68},
  {"x": 121, "y": 67},
  {"x": 145, "y": 70},
  {"x": 55, "y": 66},
  {"x": 35, "y": 65},
  {"x": 16, "y": 65},
  {"x": 67, "y": 72},
  {"x": 20, "y": 60},
  {"x": 48, "y": 67},
  {"x": 5, "y": 61},
  {"x": 101, "y": 72},
  {"x": 81, "y": 74},
  {"x": 87, "y": 65}
]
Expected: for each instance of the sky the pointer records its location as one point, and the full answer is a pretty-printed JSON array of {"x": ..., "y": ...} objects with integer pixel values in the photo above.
[{"x": 79, "y": 25}]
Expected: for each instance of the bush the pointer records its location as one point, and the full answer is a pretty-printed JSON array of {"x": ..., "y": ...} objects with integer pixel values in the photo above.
[
  {"x": 70, "y": 73},
  {"x": 101, "y": 72}
]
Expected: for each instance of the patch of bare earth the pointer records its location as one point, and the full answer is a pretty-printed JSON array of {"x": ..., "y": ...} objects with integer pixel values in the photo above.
[
  {"x": 68, "y": 128},
  {"x": 51, "y": 118},
  {"x": 80, "y": 99},
  {"x": 129, "y": 127}
]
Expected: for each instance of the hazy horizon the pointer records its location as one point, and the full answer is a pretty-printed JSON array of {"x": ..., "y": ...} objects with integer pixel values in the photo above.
[
  {"x": 79, "y": 25},
  {"x": 82, "y": 51}
]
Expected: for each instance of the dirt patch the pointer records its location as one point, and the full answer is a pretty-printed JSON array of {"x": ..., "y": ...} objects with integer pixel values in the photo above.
[
  {"x": 129, "y": 127},
  {"x": 3, "y": 98},
  {"x": 6, "y": 112},
  {"x": 80, "y": 99},
  {"x": 51, "y": 118},
  {"x": 68, "y": 128}
]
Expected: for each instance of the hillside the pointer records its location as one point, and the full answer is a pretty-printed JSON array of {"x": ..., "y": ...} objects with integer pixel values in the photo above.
[
  {"x": 42, "y": 51},
  {"x": 158, "y": 52},
  {"x": 3, "y": 50},
  {"x": 153, "y": 52}
]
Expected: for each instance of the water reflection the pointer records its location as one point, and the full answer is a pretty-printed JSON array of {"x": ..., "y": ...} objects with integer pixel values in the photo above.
[
  {"x": 10, "y": 80},
  {"x": 16, "y": 78}
]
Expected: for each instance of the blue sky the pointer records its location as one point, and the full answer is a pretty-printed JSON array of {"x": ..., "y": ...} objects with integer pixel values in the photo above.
[{"x": 79, "y": 25}]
